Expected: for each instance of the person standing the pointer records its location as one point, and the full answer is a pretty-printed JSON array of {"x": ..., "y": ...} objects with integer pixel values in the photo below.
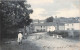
[{"x": 20, "y": 36}]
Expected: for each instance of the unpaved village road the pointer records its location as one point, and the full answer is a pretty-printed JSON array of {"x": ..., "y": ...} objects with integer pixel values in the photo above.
[
  {"x": 41, "y": 41},
  {"x": 46, "y": 42}
]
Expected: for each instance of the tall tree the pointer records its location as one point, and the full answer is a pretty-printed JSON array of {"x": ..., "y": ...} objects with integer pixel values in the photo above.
[
  {"x": 14, "y": 15},
  {"x": 50, "y": 19}
]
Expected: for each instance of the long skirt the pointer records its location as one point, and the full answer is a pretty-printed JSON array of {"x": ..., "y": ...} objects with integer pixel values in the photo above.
[{"x": 19, "y": 40}]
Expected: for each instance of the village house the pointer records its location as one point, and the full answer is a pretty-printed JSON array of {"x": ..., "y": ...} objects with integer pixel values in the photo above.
[
  {"x": 71, "y": 25},
  {"x": 61, "y": 24},
  {"x": 40, "y": 26},
  {"x": 73, "y": 28}
]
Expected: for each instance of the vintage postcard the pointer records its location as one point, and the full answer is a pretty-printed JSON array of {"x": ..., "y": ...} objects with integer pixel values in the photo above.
[{"x": 39, "y": 24}]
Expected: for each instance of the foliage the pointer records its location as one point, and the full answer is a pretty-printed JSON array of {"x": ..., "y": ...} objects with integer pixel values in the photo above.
[
  {"x": 14, "y": 15},
  {"x": 63, "y": 33},
  {"x": 50, "y": 19}
]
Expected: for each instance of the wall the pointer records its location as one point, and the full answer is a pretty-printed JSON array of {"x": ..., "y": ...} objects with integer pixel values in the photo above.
[
  {"x": 76, "y": 26},
  {"x": 61, "y": 27},
  {"x": 44, "y": 28},
  {"x": 72, "y": 26}
]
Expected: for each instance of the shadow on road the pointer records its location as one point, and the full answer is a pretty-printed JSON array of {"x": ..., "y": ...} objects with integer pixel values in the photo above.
[{"x": 13, "y": 45}]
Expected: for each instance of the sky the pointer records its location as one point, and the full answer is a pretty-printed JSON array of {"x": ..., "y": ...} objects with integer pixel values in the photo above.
[{"x": 43, "y": 9}]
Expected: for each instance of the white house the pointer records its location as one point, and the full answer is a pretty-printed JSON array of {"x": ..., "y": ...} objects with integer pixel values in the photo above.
[
  {"x": 73, "y": 27},
  {"x": 48, "y": 26},
  {"x": 44, "y": 28},
  {"x": 39, "y": 28},
  {"x": 60, "y": 26}
]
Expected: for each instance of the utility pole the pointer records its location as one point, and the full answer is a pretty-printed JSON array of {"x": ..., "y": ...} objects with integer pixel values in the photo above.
[{"x": 57, "y": 24}]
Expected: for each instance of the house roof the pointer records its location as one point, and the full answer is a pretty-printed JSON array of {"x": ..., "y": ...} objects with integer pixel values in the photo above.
[
  {"x": 38, "y": 20},
  {"x": 59, "y": 21},
  {"x": 67, "y": 20},
  {"x": 48, "y": 24}
]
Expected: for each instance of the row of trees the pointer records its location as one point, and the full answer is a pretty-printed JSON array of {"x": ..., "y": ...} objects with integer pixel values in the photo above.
[
  {"x": 14, "y": 15},
  {"x": 64, "y": 19}
]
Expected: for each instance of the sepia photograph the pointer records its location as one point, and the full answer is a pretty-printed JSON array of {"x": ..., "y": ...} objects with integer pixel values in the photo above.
[{"x": 39, "y": 24}]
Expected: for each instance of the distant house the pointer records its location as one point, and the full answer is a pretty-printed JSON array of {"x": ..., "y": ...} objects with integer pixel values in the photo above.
[
  {"x": 73, "y": 27},
  {"x": 51, "y": 26},
  {"x": 38, "y": 25},
  {"x": 70, "y": 23},
  {"x": 41, "y": 26}
]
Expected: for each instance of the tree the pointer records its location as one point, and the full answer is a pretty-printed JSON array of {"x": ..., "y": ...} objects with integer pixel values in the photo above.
[
  {"x": 50, "y": 19},
  {"x": 14, "y": 15}
]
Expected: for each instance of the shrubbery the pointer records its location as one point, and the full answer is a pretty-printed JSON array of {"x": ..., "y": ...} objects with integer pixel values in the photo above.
[
  {"x": 63, "y": 33},
  {"x": 9, "y": 35},
  {"x": 77, "y": 33},
  {"x": 50, "y": 33}
]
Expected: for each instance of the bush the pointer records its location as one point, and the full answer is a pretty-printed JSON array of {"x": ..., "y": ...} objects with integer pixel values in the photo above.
[
  {"x": 50, "y": 33},
  {"x": 63, "y": 33},
  {"x": 76, "y": 33},
  {"x": 9, "y": 35}
]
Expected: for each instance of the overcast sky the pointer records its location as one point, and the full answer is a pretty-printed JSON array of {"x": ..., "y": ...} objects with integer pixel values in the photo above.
[{"x": 61, "y": 8}]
